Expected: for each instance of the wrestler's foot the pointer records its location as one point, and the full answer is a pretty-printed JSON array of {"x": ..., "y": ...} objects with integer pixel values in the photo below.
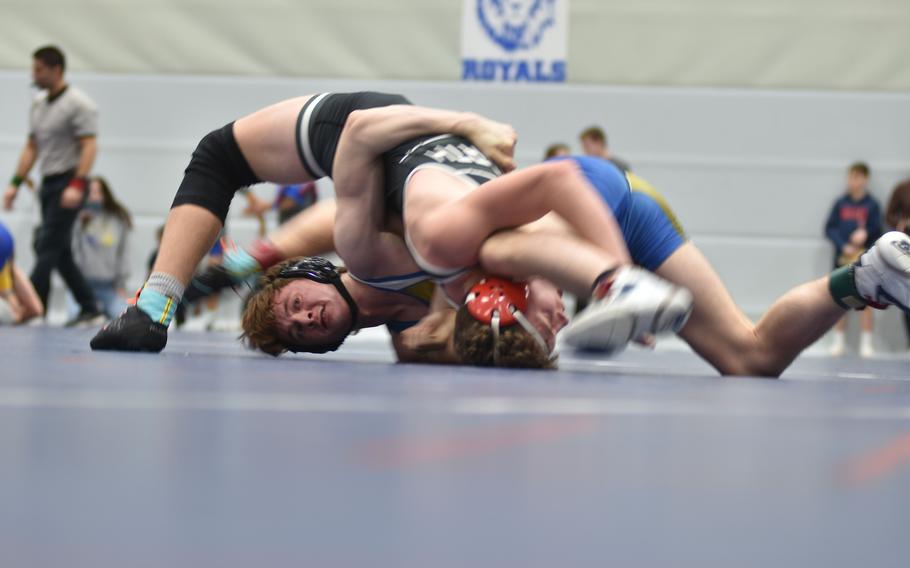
[
  {"x": 633, "y": 304},
  {"x": 133, "y": 330}
]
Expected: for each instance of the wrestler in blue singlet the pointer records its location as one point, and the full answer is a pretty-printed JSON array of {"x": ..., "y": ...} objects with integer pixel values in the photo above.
[{"x": 647, "y": 227}]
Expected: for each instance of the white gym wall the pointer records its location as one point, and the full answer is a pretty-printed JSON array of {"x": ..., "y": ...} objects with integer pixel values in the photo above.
[
  {"x": 744, "y": 115},
  {"x": 827, "y": 44}
]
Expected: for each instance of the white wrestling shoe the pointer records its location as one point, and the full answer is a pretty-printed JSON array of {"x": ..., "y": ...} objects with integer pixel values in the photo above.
[
  {"x": 635, "y": 303},
  {"x": 882, "y": 275}
]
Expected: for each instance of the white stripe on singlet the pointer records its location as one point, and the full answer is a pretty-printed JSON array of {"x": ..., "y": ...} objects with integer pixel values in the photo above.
[
  {"x": 304, "y": 134},
  {"x": 393, "y": 283}
]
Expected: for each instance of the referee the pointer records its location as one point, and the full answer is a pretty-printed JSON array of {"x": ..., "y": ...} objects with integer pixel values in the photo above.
[{"x": 63, "y": 123}]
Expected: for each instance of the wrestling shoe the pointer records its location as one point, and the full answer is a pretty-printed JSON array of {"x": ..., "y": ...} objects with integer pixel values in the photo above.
[
  {"x": 633, "y": 304},
  {"x": 882, "y": 274},
  {"x": 133, "y": 330}
]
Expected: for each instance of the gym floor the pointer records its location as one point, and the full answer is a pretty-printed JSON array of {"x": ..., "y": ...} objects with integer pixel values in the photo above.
[{"x": 209, "y": 455}]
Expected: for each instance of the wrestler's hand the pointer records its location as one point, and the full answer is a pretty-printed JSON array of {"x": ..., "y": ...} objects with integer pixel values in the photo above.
[
  {"x": 71, "y": 198},
  {"x": 432, "y": 333},
  {"x": 849, "y": 250},
  {"x": 495, "y": 139}
]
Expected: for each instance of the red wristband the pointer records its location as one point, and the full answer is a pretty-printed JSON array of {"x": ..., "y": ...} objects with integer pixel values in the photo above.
[
  {"x": 265, "y": 253},
  {"x": 79, "y": 183}
]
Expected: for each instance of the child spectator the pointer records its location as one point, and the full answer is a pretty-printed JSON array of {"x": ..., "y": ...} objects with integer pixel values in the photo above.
[
  {"x": 101, "y": 246},
  {"x": 854, "y": 224}
]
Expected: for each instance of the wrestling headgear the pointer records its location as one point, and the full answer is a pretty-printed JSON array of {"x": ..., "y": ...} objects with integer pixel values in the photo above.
[
  {"x": 499, "y": 303},
  {"x": 320, "y": 270}
]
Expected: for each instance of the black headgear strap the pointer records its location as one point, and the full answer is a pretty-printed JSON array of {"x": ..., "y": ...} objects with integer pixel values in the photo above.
[{"x": 320, "y": 270}]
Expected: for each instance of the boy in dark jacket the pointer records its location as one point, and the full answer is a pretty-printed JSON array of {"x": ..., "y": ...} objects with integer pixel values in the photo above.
[{"x": 854, "y": 224}]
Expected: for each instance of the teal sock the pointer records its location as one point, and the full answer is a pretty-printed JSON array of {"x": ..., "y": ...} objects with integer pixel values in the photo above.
[
  {"x": 240, "y": 264},
  {"x": 160, "y": 297}
]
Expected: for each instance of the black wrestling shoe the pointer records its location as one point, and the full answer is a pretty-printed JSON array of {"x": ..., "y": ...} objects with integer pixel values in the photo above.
[
  {"x": 210, "y": 281},
  {"x": 133, "y": 330}
]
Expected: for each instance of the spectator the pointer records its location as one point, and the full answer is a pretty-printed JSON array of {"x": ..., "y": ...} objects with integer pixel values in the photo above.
[
  {"x": 101, "y": 246},
  {"x": 18, "y": 300},
  {"x": 63, "y": 123},
  {"x": 854, "y": 224},
  {"x": 897, "y": 216},
  {"x": 555, "y": 150},
  {"x": 289, "y": 201},
  {"x": 594, "y": 143}
]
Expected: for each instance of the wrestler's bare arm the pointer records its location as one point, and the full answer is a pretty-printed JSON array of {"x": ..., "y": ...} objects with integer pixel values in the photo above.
[
  {"x": 360, "y": 238},
  {"x": 378, "y": 130},
  {"x": 430, "y": 341},
  {"x": 449, "y": 232},
  {"x": 368, "y": 250}
]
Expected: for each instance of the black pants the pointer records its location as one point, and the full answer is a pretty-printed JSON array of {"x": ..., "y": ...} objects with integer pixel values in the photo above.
[{"x": 53, "y": 246}]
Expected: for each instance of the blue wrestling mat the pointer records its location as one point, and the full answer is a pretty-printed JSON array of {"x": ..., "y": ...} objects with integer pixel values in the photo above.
[{"x": 208, "y": 455}]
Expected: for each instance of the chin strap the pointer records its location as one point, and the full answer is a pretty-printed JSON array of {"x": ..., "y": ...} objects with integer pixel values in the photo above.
[
  {"x": 494, "y": 323},
  {"x": 526, "y": 325}
]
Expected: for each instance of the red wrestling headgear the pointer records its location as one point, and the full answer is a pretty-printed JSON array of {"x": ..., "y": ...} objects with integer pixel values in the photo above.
[
  {"x": 500, "y": 302},
  {"x": 497, "y": 295}
]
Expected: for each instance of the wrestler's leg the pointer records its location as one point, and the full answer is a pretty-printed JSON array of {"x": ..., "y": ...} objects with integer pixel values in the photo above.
[
  {"x": 449, "y": 232},
  {"x": 719, "y": 331},
  {"x": 260, "y": 146}
]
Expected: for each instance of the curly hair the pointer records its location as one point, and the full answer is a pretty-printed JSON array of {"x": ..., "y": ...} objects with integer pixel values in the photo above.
[
  {"x": 260, "y": 326},
  {"x": 260, "y": 329},
  {"x": 517, "y": 347}
]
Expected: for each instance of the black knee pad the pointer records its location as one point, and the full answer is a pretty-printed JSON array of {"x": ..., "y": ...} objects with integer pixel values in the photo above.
[{"x": 216, "y": 171}]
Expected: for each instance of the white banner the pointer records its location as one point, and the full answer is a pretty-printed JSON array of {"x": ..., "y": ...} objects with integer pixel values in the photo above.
[{"x": 514, "y": 40}]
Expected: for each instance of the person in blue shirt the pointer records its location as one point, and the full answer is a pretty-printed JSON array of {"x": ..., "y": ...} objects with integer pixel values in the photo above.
[
  {"x": 854, "y": 224},
  {"x": 289, "y": 200},
  {"x": 18, "y": 300}
]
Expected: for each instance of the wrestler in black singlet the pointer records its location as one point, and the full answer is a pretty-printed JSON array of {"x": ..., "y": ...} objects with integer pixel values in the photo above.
[
  {"x": 448, "y": 152},
  {"x": 321, "y": 121}
]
